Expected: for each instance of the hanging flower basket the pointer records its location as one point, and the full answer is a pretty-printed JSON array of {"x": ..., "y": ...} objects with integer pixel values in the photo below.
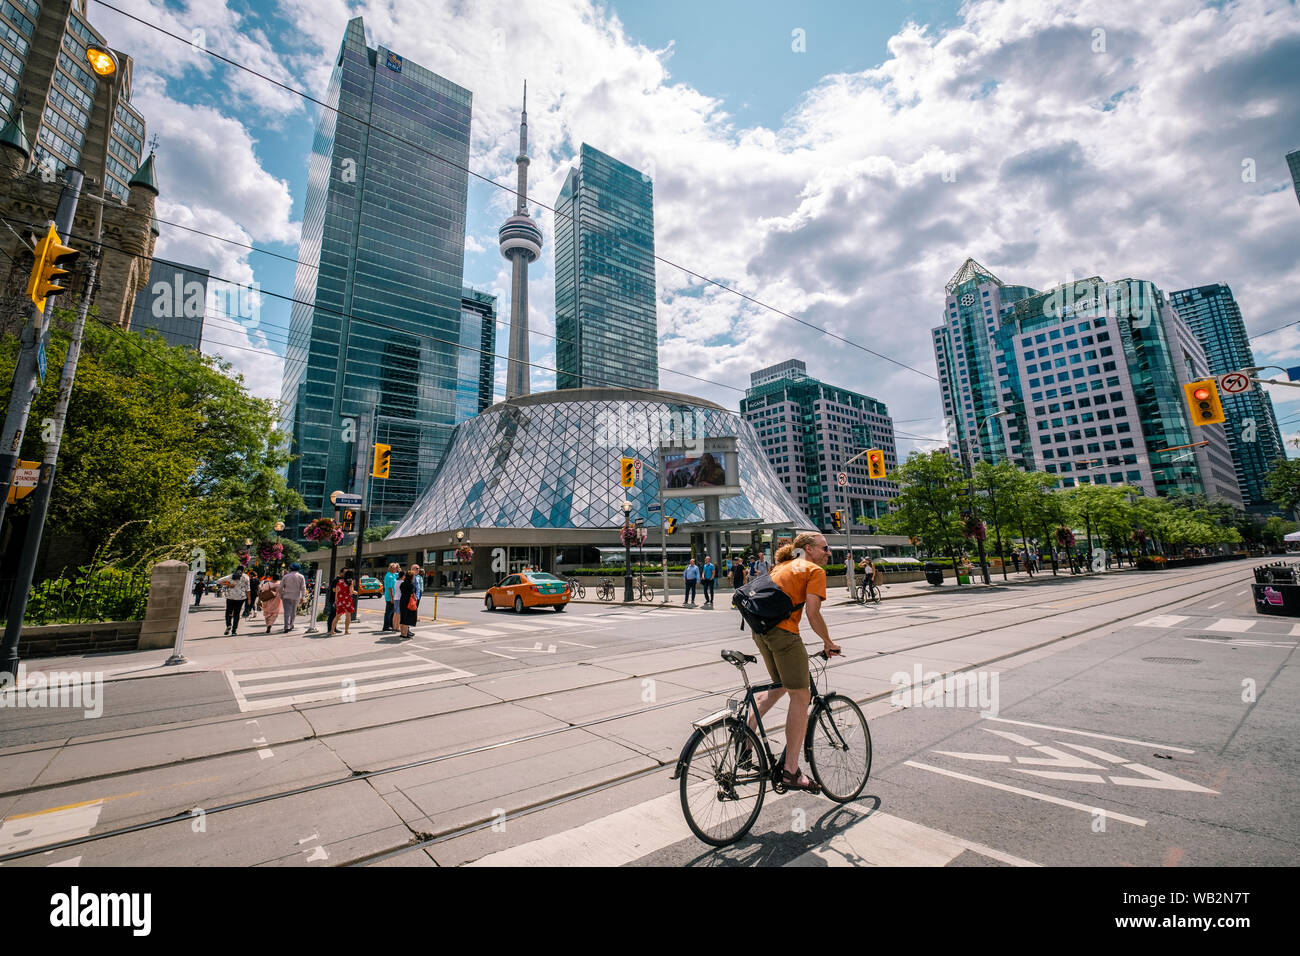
[
  {"x": 1064, "y": 537},
  {"x": 244, "y": 558},
  {"x": 325, "y": 530},
  {"x": 270, "y": 551},
  {"x": 974, "y": 528},
  {"x": 629, "y": 536},
  {"x": 464, "y": 553}
]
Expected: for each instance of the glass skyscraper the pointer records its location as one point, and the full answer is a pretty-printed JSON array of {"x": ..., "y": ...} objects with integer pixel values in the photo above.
[
  {"x": 1253, "y": 434},
  {"x": 605, "y": 326},
  {"x": 382, "y": 260},
  {"x": 476, "y": 364}
]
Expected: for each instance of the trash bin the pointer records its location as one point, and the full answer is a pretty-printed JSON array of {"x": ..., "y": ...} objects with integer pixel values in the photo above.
[{"x": 933, "y": 573}]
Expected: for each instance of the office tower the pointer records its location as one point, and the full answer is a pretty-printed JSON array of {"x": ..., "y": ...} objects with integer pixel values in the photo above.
[
  {"x": 382, "y": 259},
  {"x": 521, "y": 243},
  {"x": 1253, "y": 434},
  {"x": 809, "y": 429},
  {"x": 973, "y": 370},
  {"x": 173, "y": 303},
  {"x": 476, "y": 365},
  {"x": 605, "y": 327},
  {"x": 55, "y": 113},
  {"x": 1091, "y": 374}
]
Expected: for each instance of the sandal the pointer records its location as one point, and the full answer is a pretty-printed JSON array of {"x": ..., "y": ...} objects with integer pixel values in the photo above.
[{"x": 798, "y": 781}]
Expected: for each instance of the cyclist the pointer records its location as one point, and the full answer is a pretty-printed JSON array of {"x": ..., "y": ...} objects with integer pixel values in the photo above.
[
  {"x": 868, "y": 570},
  {"x": 800, "y": 572}
]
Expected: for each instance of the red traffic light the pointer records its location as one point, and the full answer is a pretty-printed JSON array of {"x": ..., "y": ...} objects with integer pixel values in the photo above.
[{"x": 1201, "y": 394}]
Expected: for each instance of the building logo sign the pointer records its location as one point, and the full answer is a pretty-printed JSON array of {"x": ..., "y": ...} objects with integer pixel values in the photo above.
[{"x": 394, "y": 62}]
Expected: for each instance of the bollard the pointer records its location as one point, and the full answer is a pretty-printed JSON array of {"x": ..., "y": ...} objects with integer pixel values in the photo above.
[
  {"x": 435, "y": 605},
  {"x": 178, "y": 655}
]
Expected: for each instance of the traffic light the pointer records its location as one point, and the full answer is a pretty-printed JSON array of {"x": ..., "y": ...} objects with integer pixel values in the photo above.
[
  {"x": 383, "y": 459},
  {"x": 51, "y": 256},
  {"x": 876, "y": 463},
  {"x": 1203, "y": 402},
  {"x": 837, "y": 520},
  {"x": 670, "y": 525},
  {"x": 349, "y": 520},
  {"x": 627, "y": 471}
]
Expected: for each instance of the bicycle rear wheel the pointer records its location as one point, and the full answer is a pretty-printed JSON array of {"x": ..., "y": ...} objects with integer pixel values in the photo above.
[
  {"x": 721, "y": 799},
  {"x": 838, "y": 744}
]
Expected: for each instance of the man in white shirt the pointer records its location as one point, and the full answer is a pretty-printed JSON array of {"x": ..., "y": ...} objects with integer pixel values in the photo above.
[
  {"x": 761, "y": 566},
  {"x": 237, "y": 588},
  {"x": 292, "y": 589}
]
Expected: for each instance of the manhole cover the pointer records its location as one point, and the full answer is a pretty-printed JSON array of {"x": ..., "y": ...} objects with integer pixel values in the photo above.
[{"x": 1171, "y": 660}]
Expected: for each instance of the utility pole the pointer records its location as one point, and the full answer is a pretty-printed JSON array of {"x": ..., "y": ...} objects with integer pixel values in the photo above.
[
  {"x": 24, "y": 394},
  {"x": 365, "y": 429}
]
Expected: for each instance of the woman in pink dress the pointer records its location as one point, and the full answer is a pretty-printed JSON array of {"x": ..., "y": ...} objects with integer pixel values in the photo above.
[
  {"x": 343, "y": 606},
  {"x": 269, "y": 596}
]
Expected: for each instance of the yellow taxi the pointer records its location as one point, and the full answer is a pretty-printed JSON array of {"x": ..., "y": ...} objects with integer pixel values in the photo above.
[{"x": 528, "y": 589}]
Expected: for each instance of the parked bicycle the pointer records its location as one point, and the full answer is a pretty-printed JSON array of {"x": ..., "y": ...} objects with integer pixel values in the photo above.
[
  {"x": 643, "y": 591},
  {"x": 576, "y": 588},
  {"x": 605, "y": 590},
  {"x": 725, "y": 766}
]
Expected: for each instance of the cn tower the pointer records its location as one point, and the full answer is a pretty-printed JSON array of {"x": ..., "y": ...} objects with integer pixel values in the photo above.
[{"x": 521, "y": 243}]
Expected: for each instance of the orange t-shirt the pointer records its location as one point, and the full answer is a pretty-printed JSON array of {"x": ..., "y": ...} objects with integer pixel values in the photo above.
[{"x": 799, "y": 578}]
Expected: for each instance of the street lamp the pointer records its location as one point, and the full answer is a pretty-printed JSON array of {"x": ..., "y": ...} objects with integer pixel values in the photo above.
[
  {"x": 458, "y": 542},
  {"x": 627, "y": 554}
]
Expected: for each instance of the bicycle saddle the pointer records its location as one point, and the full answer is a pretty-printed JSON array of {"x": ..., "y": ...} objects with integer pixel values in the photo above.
[{"x": 738, "y": 658}]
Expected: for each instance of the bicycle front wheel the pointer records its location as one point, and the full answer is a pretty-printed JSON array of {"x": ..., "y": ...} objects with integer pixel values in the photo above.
[
  {"x": 838, "y": 744},
  {"x": 723, "y": 779}
]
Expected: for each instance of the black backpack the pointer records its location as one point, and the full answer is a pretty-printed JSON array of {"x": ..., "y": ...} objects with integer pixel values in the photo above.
[{"x": 762, "y": 605}]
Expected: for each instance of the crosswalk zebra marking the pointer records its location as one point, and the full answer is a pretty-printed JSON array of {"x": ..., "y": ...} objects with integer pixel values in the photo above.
[
  {"x": 1233, "y": 625},
  {"x": 333, "y": 681},
  {"x": 1162, "y": 620}
]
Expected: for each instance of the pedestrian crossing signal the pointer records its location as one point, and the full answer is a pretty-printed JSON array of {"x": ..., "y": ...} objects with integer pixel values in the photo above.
[
  {"x": 627, "y": 472},
  {"x": 383, "y": 460},
  {"x": 876, "y": 463},
  {"x": 1203, "y": 402},
  {"x": 349, "y": 520},
  {"x": 837, "y": 520},
  {"x": 670, "y": 525}
]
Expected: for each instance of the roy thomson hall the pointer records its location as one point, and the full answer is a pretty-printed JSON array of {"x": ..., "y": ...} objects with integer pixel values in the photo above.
[{"x": 537, "y": 480}]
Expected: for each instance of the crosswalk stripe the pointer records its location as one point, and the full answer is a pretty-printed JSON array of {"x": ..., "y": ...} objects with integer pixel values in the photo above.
[
  {"x": 881, "y": 839},
  {"x": 333, "y": 678},
  {"x": 1234, "y": 625},
  {"x": 315, "y": 669},
  {"x": 1162, "y": 620},
  {"x": 338, "y": 692},
  {"x": 1295, "y": 630},
  {"x": 516, "y": 627}
]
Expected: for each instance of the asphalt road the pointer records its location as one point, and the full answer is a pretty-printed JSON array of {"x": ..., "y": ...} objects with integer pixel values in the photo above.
[{"x": 1134, "y": 719}]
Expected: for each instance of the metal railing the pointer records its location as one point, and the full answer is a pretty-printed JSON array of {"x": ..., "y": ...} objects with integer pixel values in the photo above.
[{"x": 105, "y": 596}]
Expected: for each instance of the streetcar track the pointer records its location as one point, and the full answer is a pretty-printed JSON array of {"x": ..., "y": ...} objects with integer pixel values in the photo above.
[{"x": 357, "y": 776}]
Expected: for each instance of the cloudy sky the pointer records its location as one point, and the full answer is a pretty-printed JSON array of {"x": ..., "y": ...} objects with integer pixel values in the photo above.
[{"x": 833, "y": 164}]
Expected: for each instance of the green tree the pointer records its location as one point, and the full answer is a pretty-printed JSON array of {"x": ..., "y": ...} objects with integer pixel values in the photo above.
[
  {"x": 164, "y": 451},
  {"x": 1283, "y": 485},
  {"x": 1038, "y": 509},
  {"x": 929, "y": 502},
  {"x": 378, "y": 533},
  {"x": 997, "y": 486},
  {"x": 1104, "y": 507}
]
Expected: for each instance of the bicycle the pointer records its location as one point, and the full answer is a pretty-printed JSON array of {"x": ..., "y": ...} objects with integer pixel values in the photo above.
[
  {"x": 643, "y": 591},
  {"x": 576, "y": 588},
  {"x": 868, "y": 592},
  {"x": 724, "y": 771},
  {"x": 605, "y": 590}
]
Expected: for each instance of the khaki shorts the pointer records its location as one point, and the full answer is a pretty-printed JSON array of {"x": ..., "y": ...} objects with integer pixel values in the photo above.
[{"x": 785, "y": 657}]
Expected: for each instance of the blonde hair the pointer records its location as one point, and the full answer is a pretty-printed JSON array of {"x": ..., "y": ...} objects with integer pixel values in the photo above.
[{"x": 786, "y": 552}]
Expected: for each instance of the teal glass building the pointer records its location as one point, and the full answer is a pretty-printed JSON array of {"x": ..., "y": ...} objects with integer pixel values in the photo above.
[
  {"x": 476, "y": 363},
  {"x": 605, "y": 325},
  {"x": 381, "y": 264},
  {"x": 1253, "y": 434}
]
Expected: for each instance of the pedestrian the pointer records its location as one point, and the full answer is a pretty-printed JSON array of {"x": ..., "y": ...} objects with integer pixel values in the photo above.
[
  {"x": 269, "y": 598},
  {"x": 691, "y": 575},
  {"x": 760, "y": 565},
  {"x": 343, "y": 604},
  {"x": 737, "y": 574},
  {"x": 417, "y": 578},
  {"x": 237, "y": 587},
  {"x": 726, "y": 567},
  {"x": 251, "y": 601},
  {"x": 292, "y": 590},
  {"x": 200, "y": 585},
  {"x": 707, "y": 573},
  {"x": 1015, "y": 560},
  {"x": 406, "y": 595},
  {"x": 390, "y": 597}
]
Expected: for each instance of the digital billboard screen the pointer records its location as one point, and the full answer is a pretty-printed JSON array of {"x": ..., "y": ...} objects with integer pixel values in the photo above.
[{"x": 694, "y": 471}]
